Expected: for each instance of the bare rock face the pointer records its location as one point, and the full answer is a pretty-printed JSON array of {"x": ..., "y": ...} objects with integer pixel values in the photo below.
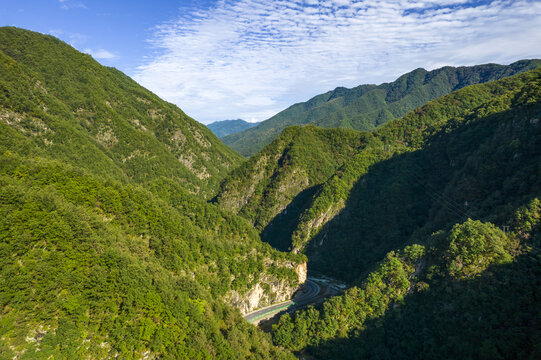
[
  {"x": 261, "y": 295},
  {"x": 302, "y": 271},
  {"x": 268, "y": 290}
]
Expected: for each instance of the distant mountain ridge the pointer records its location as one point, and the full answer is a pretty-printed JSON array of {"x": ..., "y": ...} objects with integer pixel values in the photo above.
[
  {"x": 223, "y": 128},
  {"x": 366, "y": 106}
]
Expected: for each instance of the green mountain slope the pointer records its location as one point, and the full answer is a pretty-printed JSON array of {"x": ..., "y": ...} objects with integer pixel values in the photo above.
[
  {"x": 93, "y": 116},
  {"x": 228, "y": 127},
  {"x": 472, "y": 153},
  {"x": 275, "y": 184},
  {"x": 105, "y": 250},
  {"x": 431, "y": 282},
  {"x": 367, "y": 106},
  {"x": 93, "y": 268}
]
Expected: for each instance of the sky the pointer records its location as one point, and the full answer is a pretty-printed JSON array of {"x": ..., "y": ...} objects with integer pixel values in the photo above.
[{"x": 250, "y": 59}]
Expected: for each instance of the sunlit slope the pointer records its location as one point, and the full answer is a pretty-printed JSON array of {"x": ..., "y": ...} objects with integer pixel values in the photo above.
[
  {"x": 59, "y": 102},
  {"x": 108, "y": 247},
  {"x": 273, "y": 187}
]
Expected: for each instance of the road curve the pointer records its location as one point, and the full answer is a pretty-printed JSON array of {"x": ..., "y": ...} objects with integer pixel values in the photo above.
[{"x": 309, "y": 295}]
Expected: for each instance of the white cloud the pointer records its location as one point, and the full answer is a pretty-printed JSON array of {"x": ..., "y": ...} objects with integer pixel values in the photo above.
[
  {"x": 100, "y": 54},
  {"x": 253, "y": 58},
  {"x": 56, "y": 32},
  {"x": 69, "y": 4}
]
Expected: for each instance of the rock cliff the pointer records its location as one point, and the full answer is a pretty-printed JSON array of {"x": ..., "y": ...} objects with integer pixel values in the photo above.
[{"x": 269, "y": 290}]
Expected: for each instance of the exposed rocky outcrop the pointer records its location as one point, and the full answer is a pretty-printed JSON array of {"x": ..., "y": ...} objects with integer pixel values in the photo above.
[{"x": 268, "y": 290}]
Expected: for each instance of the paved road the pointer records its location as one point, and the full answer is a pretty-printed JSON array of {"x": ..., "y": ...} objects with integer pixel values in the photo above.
[{"x": 311, "y": 293}]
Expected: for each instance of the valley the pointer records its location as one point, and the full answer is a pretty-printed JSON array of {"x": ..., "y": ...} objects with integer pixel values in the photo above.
[{"x": 391, "y": 221}]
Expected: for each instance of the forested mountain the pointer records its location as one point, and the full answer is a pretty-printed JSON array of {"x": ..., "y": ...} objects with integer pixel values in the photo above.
[
  {"x": 395, "y": 220},
  {"x": 102, "y": 119},
  {"x": 367, "y": 106},
  {"x": 471, "y": 292},
  {"x": 108, "y": 247},
  {"x": 228, "y": 127},
  {"x": 473, "y": 153},
  {"x": 128, "y": 230},
  {"x": 283, "y": 176}
]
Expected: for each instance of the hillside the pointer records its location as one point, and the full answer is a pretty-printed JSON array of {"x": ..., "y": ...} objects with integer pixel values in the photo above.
[
  {"x": 128, "y": 230},
  {"x": 228, "y": 127},
  {"x": 444, "y": 165},
  {"x": 61, "y": 103},
  {"x": 428, "y": 279},
  {"x": 108, "y": 247},
  {"x": 367, "y": 106},
  {"x": 272, "y": 187},
  {"x": 469, "y": 292}
]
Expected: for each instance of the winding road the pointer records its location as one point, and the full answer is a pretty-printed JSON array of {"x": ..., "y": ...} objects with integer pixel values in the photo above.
[{"x": 312, "y": 292}]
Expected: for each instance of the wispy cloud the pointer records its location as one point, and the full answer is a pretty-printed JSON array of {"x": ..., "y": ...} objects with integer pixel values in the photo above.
[
  {"x": 56, "y": 32},
  {"x": 77, "y": 40},
  {"x": 69, "y": 4},
  {"x": 100, "y": 54},
  {"x": 252, "y": 58}
]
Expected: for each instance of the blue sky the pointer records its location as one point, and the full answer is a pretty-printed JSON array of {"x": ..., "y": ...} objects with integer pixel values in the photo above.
[{"x": 252, "y": 58}]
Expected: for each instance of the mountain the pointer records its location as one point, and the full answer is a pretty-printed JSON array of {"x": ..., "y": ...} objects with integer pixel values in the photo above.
[
  {"x": 429, "y": 219},
  {"x": 300, "y": 181},
  {"x": 89, "y": 115},
  {"x": 228, "y": 127},
  {"x": 368, "y": 106},
  {"x": 108, "y": 247},
  {"x": 470, "y": 292},
  {"x": 128, "y": 230},
  {"x": 439, "y": 165},
  {"x": 395, "y": 222},
  {"x": 272, "y": 187}
]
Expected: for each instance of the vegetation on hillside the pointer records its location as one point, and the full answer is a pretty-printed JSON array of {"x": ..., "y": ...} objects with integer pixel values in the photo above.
[
  {"x": 109, "y": 248},
  {"x": 367, "y": 106},
  {"x": 443, "y": 297},
  {"x": 437, "y": 288},
  {"x": 96, "y": 268},
  {"x": 105, "y": 251},
  {"x": 473, "y": 153},
  {"x": 58, "y": 102},
  {"x": 271, "y": 188}
]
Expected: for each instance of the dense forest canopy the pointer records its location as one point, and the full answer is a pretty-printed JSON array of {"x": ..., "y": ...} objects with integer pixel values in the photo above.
[
  {"x": 108, "y": 247},
  {"x": 127, "y": 228},
  {"x": 93, "y": 116},
  {"x": 438, "y": 283}
]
